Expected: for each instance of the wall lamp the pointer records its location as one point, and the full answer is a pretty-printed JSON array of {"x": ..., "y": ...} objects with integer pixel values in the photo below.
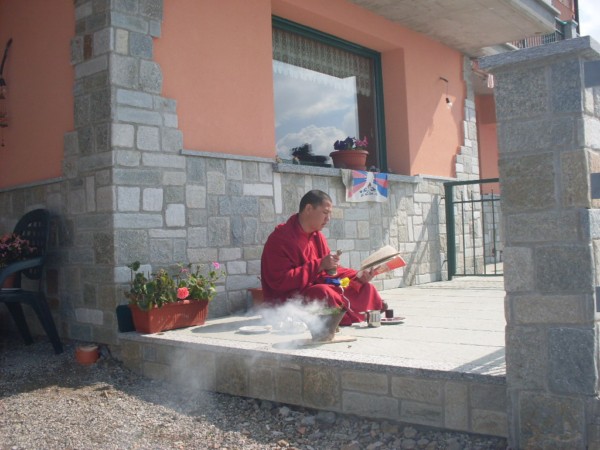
[{"x": 448, "y": 101}]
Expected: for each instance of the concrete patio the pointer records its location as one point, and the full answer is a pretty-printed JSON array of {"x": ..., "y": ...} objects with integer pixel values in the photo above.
[{"x": 443, "y": 365}]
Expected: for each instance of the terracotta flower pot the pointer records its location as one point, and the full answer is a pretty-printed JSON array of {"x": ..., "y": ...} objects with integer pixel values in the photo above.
[
  {"x": 181, "y": 314},
  {"x": 87, "y": 354},
  {"x": 258, "y": 296},
  {"x": 350, "y": 159}
]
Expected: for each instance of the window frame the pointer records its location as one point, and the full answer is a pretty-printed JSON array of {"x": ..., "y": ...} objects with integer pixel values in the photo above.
[{"x": 329, "y": 39}]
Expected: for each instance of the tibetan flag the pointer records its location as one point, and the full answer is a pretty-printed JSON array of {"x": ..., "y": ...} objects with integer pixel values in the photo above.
[{"x": 364, "y": 186}]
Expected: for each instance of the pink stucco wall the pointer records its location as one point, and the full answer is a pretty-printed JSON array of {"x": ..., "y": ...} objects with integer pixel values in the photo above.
[
  {"x": 39, "y": 77},
  {"x": 488, "y": 139},
  {"x": 216, "y": 63}
]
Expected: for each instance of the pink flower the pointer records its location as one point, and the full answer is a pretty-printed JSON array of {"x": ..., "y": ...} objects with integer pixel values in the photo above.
[
  {"x": 183, "y": 293},
  {"x": 216, "y": 265}
]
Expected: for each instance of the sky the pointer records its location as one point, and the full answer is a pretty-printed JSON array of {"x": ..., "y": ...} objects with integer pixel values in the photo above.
[{"x": 589, "y": 19}]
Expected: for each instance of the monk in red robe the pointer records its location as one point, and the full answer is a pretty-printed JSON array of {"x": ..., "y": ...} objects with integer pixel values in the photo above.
[{"x": 296, "y": 259}]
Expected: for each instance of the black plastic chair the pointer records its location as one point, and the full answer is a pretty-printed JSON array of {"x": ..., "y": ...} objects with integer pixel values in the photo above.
[{"x": 35, "y": 227}]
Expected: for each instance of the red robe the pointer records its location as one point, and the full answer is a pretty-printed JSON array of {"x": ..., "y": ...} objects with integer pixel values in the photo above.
[{"x": 290, "y": 268}]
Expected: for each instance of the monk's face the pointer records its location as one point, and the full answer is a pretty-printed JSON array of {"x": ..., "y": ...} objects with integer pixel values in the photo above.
[{"x": 315, "y": 218}]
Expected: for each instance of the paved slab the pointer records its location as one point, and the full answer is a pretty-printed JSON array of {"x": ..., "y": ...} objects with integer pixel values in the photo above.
[{"x": 456, "y": 326}]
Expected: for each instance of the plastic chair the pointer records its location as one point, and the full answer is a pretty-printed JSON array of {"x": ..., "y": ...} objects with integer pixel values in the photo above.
[{"x": 35, "y": 227}]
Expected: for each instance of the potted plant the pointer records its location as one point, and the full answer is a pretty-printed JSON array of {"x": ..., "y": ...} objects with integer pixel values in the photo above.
[
  {"x": 160, "y": 301},
  {"x": 13, "y": 248},
  {"x": 351, "y": 153}
]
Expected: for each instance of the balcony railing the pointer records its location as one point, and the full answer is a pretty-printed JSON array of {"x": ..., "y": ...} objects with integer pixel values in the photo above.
[{"x": 535, "y": 41}]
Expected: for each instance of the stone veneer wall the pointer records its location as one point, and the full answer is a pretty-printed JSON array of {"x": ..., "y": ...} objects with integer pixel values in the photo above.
[{"x": 130, "y": 192}]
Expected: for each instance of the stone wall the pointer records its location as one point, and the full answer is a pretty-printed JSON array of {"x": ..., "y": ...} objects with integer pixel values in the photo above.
[{"x": 131, "y": 192}]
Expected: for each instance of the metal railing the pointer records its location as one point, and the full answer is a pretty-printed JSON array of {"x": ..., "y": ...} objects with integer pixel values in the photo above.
[
  {"x": 535, "y": 41},
  {"x": 476, "y": 249}
]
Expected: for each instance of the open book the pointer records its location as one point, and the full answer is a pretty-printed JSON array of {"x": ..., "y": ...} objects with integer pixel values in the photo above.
[{"x": 383, "y": 260}]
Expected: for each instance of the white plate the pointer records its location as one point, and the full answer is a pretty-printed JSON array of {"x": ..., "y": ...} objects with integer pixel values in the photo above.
[
  {"x": 255, "y": 329},
  {"x": 392, "y": 321}
]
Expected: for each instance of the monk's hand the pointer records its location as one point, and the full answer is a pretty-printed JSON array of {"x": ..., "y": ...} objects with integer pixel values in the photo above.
[
  {"x": 330, "y": 261},
  {"x": 364, "y": 276}
]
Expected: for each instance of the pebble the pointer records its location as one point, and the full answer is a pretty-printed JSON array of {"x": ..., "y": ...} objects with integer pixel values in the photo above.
[{"x": 49, "y": 401}]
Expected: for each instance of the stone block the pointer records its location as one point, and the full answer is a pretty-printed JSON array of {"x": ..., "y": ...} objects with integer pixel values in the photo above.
[
  {"x": 129, "y": 22},
  {"x": 219, "y": 231},
  {"x": 491, "y": 423},
  {"x": 566, "y": 269},
  {"x": 321, "y": 388},
  {"x": 236, "y": 268},
  {"x": 131, "y": 245},
  {"x": 103, "y": 41},
  {"x": 533, "y": 136},
  {"x": 262, "y": 382},
  {"x": 91, "y": 66},
  {"x": 128, "y": 198},
  {"x": 197, "y": 237},
  {"x": 154, "y": 28},
  {"x": 175, "y": 215},
  {"x": 138, "y": 116},
  {"x": 170, "y": 120},
  {"x": 138, "y": 221},
  {"x": 571, "y": 361},
  {"x": 514, "y": 100},
  {"x": 575, "y": 189},
  {"x": 245, "y": 206},
  {"x": 288, "y": 386},
  {"x": 135, "y": 177},
  {"x": 368, "y": 405},
  {"x": 550, "y": 421},
  {"x": 528, "y": 183},
  {"x": 194, "y": 369},
  {"x": 122, "y": 135},
  {"x": 152, "y": 199},
  {"x": 421, "y": 413},
  {"x": 148, "y": 138},
  {"x": 488, "y": 396},
  {"x": 232, "y": 375},
  {"x": 91, "y": 316},
  {"x": 566, "y": 89},
  {"x": 174, "y": 194},
  {"x": 173, "y": 178},
  {"x": 366, "y": 382},
  {"x": 123, "y": 71},
  {"x": 140, "y": 45},
  {"x": 103, "y": 245},
  {"x": 255, "y": 189},
  {"x": 526, "y": 357},
  {"x": 137, "y": 99},
  {"x": 163, "y": 160},
  {"x": 156, "y": 371},
  {"x": 152, "y": 9},
  {"x": 546, "y": 226},
  {"x": 456, "y": 406},
  {"x": 106, "y": 198},
  {"x": 534, "y": 308},
  {"x": 172, "y": 140},
  {"x": 122, "y": 41},
  {"x": 150, "y": 76},
  {"x": 429, "y": 391},
  {"x": 518, "y": 269},
  {"x": 590, "y": 133}
]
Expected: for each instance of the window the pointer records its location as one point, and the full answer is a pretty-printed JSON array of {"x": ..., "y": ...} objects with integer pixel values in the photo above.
[{"x": 325, "y": 90}]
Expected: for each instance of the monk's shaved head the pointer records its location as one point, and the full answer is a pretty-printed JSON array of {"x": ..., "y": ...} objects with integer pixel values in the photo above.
[{"x": 314, "y": 198}]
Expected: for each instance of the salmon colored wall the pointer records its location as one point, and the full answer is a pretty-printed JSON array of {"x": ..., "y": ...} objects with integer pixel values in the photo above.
[
  {"x": 216, "y": 59},
  {"x": 488, "y": 140},
  {"x": 39, "y": 77}
]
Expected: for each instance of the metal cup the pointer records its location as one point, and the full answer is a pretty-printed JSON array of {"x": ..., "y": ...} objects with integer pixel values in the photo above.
[{"x": 373, "y": 318}]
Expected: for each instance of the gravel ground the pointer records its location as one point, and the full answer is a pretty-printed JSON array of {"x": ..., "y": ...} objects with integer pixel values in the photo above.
[{"x": 49, "y": 401}]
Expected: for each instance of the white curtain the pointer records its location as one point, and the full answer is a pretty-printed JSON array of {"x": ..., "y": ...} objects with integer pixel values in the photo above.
[{"x": 296, "y": 50}]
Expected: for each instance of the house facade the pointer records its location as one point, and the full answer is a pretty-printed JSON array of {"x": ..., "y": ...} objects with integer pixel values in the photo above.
[{"x": 161, "y": 131}]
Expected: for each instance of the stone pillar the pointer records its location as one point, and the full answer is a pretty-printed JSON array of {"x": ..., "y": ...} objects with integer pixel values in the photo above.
[{"x": 549, "y": 138}]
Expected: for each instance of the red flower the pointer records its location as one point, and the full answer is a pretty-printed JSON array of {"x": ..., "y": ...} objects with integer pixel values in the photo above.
[{"x": 183, "y": 293}]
